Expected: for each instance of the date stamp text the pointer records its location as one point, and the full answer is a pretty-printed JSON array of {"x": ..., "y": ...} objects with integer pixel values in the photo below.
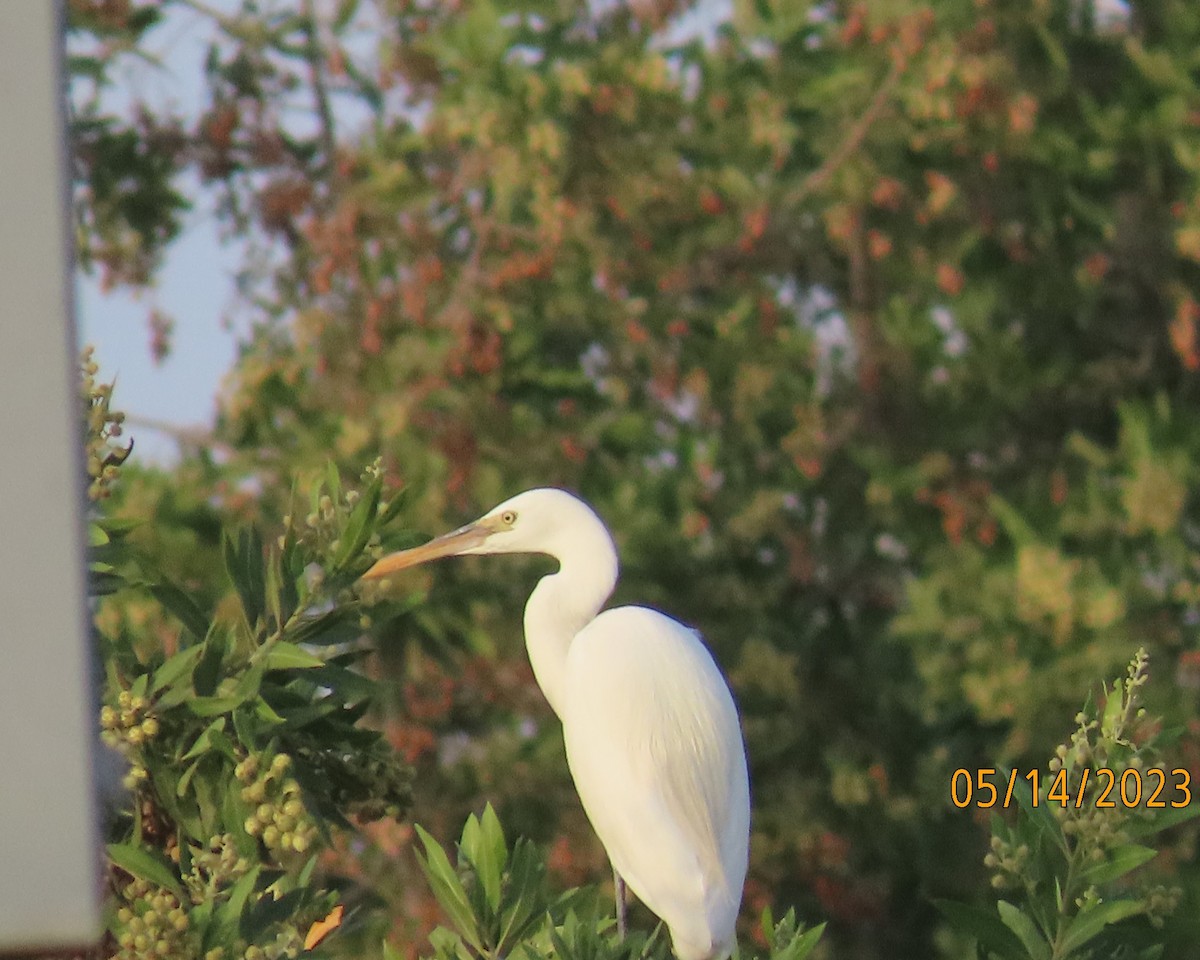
[{"x": 1153, "y": 789}]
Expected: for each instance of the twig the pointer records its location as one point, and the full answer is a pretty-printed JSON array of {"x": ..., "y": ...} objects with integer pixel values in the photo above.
[
  {"x": 855, "y": 135},
  {"x": 196, "y": 436},
  {"x": 320, "y": 92}
]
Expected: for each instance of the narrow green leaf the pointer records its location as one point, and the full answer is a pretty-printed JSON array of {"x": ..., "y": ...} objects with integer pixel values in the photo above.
[
  {"x": 118, "y": 527},
  {"x": 397, "y": 503},
  {"x": 273, "y": 588},
  {"x": 992, "y": 934},
  {"x": 267, "y": 910},
  {"x": 228, "y": 916},
  {"x": 204, "y": 741},
  {"x": 211, "y": 706},
  {"x": 208, "y": 670},
  {"x": 1090, "y": 921},
  {"x": 175, "y": 668},
  {"x": 1026, "y": 930},
  {"x": 145, "y": 865},
  {"x": 182, "y": 607},
  {"x": 248, "y": 686},
  {"x": 1122, "y": 861},
  {"x": 1160, "y": 820},
  {"x": 288, "y": 656},
  {"x": 1015, "y": 525},
  {"x": 265, "y": 712},
  {"x": 182, "y": 786},
  {"x": 333, "y": 481},
  {"x": 243, "y": 556},
  {"x": 359, "y": 524},
  {"x": 803, "y": 945},
  {"x": 447, "y": 888},
  {"x": 492, "y": 855},
  {"x": 1113, "y": 707}
]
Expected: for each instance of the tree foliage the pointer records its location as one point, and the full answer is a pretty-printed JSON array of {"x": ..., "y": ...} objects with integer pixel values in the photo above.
[{"x": 870, "y": 328}]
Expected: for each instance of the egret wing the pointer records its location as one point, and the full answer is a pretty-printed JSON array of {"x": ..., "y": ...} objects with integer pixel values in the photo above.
[{"x": 655, "y": 747}]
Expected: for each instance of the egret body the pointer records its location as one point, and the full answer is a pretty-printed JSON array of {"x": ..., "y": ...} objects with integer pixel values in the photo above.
[{"x": 652, "y": 734}]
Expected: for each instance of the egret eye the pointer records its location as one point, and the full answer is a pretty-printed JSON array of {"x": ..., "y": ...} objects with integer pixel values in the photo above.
[{"x": 508, "y": 518}]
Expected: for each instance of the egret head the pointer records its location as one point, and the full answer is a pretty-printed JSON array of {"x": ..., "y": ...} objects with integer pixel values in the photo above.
[{"x": 544, "y": 520}]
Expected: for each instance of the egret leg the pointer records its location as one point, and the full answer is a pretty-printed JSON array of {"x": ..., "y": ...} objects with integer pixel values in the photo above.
[{"x": 619, "y": 891}]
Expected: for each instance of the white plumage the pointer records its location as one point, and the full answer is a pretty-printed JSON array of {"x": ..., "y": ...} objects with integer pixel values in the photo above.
[{"x": 652, "y": 734}]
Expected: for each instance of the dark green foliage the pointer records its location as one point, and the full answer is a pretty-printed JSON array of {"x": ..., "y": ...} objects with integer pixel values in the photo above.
[
  {"x": 1067, "y": 863},
  {"x": 244, "y": 745},
  {"x": 871, "y": 329}
]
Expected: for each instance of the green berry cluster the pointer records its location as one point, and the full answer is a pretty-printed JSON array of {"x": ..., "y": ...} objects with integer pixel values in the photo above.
[
  {"x": 279, "y": 819},
  {"x": 370, "y": 784},
  {"x": 1007, "y": 861},
  {"x": 151, "y": 924},
  {"x": 215, "y": 866},
  {"x": 126, "y": 727},
  {"x": 101, "y": 426},
  {"x": 323, "y": 525},
  {"x": 288, "y": 943},
  {"x": 1160, "y": 902}
]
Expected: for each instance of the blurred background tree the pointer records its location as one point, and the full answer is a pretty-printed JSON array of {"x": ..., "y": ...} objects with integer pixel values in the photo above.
[{"x": 870, "y": 328}]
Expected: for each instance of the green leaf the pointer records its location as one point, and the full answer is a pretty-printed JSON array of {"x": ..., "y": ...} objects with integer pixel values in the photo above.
[
  {"x": 397, "y": 503},
  {"x": 491, "y": 855},
  {"x": 267, "y": 910},
  {"x": 118, "y": 527},
  {"x": 1091, "y": 920},
  {"x": 181, "y": 787},
  {"x": 359, "y": 524},
  {"x": 1014, "y": 524},
  {"x": 802, "y": 945},
  {"x": 175, "y": 668},
  {"x": 446, "y": 887},
  {"x": 1160, "y": 820},
  {"x": 992, "y": 934},
  {"x": 273, "y": 588},
  {"x": 265, "y": 712},
  {"x": 251, "y": 681},
  {"x": 337, "y": 626},
  {"x": 229, "y": 914},
  {"x": 211, "y": 706},
  {"x": 1121, "y": 862},
  {"x": 333, "y": 481},
  {"x": 243, "y": 555},
  {"x": 145, "y": 864},
  {"x": 288, "y": 656},
  {"x": 182, "y": 606},
  {"x": 525, "y": 895},
  {"x": 208, "y": 670},
  {"x": 1026, "y": 930},
  {"x": 204, "y": 741},
  {"x": 1113, "y": 708}
]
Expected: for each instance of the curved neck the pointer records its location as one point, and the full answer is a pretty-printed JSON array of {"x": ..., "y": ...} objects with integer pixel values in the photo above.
[{"x": 563, "y": 603}]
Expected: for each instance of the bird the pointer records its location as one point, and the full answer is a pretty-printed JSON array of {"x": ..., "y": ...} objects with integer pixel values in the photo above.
[{"x": 652, "y": 733}]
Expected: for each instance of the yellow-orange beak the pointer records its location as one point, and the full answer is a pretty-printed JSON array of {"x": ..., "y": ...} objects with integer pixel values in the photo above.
[{"x": 447, "y": 545}]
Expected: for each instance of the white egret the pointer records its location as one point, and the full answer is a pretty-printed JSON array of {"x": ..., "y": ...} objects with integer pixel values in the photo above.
[{"x": 652, "y": 734}]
